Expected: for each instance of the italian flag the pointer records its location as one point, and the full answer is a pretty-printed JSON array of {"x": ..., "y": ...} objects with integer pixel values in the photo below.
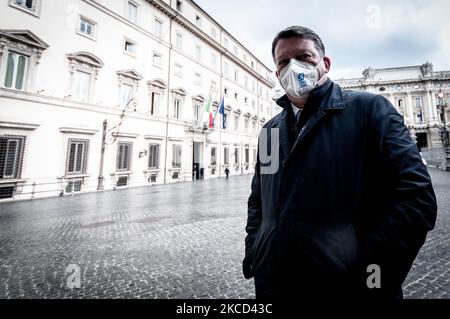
[{"x": 208, "y": 109}]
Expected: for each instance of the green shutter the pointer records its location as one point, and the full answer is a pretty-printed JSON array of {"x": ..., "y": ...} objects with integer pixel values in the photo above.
[
  {"x": 9, "y": 70},
  {"x": 20, "y": 72}
]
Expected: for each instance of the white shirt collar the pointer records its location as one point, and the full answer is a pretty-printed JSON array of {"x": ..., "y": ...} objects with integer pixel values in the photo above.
[{"x": 295, "y": 109}]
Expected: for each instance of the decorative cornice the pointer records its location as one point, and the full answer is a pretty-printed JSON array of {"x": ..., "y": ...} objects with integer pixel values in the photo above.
[
  {"x": 176, "y": 16},
  {"x": 153, "y": 137},
  {"x": 20, "y": 126},
  {"x": 78, "y": 130},
  {"x": 125, "y": 134},
  {"x": 130, "y": 74},
  {"x": 24, "y": 36},
  {"x": 86, "y": 57}
]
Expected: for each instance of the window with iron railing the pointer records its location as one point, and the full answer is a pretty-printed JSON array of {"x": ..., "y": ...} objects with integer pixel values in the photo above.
[
  {"x": 11, "y": 156},
  {"x": 176, "y": 156},
  {"x": 213, "y": 156},
  {"x": 153, "y": 156},
  {"x": 76, "y": 157},
  {"x": 123, "y": 156}
]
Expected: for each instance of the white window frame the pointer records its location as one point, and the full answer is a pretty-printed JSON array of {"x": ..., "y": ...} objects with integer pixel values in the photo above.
[
  {"x": 226, "y": 155},
  {"x": 178, "y": 70},
  {"x": 179, "y": 5},
  {"x": 226, "y": 69},
  {"x": 198, "y": 52},
  {"x": 17, "y": 156},
  {"x": 35, "y": 10},
  {"x": 84, "y": 156},
  {"x": 177, "y": 155},
  {"x": 214, "y": 60},
  {"x": 75, "y": 96},
  {"x": 155, "y": 108},
  {"x": 158, "y": 27},
  {"x": 153, "y": 158},
  {"x": 123, "y": 103},
  {"x": 213, "y": 33},
  {"x": 197, "y": 112},
  {"x": 213, "y": 156},
  {"x": 155, "y": 63},
  {"x": 120, "y": 159},
  {"x": 93, "y": 24},
  {"x": 197, "y": 78},
  {"x": 127, "y": 11},
  {"x": 179, "y": 41},
  {"x": 134, "y": 43},
  {"x": 237, "y": 159},
  {"x": 213, "y": 85},
  {"x": 90, "y": 65},
  {"x": 177, "y": 108},
  {"x": 198, "y": 21},
  {"x": 16, "y": 56}
]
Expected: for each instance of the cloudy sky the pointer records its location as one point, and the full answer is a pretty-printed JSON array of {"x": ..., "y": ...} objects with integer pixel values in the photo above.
[{"x": 356, "y": 33}]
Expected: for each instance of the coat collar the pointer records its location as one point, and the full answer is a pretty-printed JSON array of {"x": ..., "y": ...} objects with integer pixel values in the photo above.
[
  {"x": 323, "y": 100},
  {"x": 329, "y": 95}
]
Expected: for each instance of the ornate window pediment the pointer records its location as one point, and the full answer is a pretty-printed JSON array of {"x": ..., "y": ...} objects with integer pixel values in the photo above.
[
  {"x": 157, "y": 83},
  {"x": 20, "y": 52},
  {"x": 179, "y": 91},
  {"x": 86, "y": 58},
  {"x": 133, "y": 74},
  {"x": 198, "y": 98},
  {"x": 24, "y": 37}
]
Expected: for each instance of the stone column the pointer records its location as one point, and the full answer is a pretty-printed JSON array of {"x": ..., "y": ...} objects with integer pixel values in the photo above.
[
  {"x": 434, "y": 106},
  {"x": 409, "y": 108},
  {"x": 431, "y": 118}
]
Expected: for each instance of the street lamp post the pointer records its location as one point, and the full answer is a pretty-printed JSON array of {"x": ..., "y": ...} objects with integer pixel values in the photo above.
[
  {"x": 442, "y": 105},
  {"x": 102, "y": 157},
  {"x": 112, "y": 138}
]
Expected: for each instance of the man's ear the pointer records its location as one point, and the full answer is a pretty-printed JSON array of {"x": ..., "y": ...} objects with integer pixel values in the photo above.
[{"x": 327, "y": 62}]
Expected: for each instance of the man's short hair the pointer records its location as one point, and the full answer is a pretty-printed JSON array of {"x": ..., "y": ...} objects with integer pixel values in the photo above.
[{"x": 300, "y": 32}]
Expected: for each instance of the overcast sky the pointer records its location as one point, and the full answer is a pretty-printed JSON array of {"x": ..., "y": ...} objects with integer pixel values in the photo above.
[{"x": 356, "y": 33}]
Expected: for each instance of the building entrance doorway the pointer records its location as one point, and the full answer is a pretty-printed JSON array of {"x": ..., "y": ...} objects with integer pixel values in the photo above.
[{"x": 197, "y": 165}]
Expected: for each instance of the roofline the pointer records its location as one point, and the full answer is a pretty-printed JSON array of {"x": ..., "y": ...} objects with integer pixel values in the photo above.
[{"x": 209, "y": 16}]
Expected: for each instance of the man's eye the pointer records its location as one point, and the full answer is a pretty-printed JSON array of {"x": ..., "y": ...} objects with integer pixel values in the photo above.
[{"x": 303, "y": 57}]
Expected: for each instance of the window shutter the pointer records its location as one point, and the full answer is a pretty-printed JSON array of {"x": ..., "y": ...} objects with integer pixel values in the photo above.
[
  {"x": 9, "y": 70},
  {"x": 20, "y": 72},
  {"x": 11, "y": 158}
]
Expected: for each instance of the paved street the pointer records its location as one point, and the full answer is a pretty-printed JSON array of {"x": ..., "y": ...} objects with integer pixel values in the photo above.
[{"x": 166, "y": 241}]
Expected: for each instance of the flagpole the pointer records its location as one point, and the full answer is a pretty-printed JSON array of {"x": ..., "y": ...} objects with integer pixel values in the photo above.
[{"x": 220, "y": 136}]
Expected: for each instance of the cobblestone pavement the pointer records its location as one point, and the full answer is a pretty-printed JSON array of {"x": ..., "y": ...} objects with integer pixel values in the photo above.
[{"x": 166, "y": 241}]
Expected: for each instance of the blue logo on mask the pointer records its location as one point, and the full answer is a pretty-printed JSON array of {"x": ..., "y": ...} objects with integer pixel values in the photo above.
[{"x": 301, "y": 79}]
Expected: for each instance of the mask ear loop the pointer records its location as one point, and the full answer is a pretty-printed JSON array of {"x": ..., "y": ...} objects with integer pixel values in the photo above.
[{"x": 326, "y": 71}]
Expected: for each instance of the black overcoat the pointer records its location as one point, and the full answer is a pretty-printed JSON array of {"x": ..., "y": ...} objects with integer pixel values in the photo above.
[{"x": 349, "y": 191}]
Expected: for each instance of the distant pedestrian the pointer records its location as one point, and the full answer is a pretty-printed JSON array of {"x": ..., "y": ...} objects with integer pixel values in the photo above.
[
  {"x": 202, "y": 172},
  {"x": 227, "y": 172}
]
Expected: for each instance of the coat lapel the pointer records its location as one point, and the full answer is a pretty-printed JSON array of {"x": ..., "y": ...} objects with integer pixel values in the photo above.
[
  {"x": 284, "y": 135},
  {"x": 312, "y": 121}
]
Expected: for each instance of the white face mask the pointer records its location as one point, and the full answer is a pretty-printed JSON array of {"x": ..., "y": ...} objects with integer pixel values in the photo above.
[{"x": 298, "y": 78}]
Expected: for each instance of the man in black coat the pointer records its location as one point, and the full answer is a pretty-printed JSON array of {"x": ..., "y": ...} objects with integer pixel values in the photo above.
[{"x": 340, "y": 201}]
